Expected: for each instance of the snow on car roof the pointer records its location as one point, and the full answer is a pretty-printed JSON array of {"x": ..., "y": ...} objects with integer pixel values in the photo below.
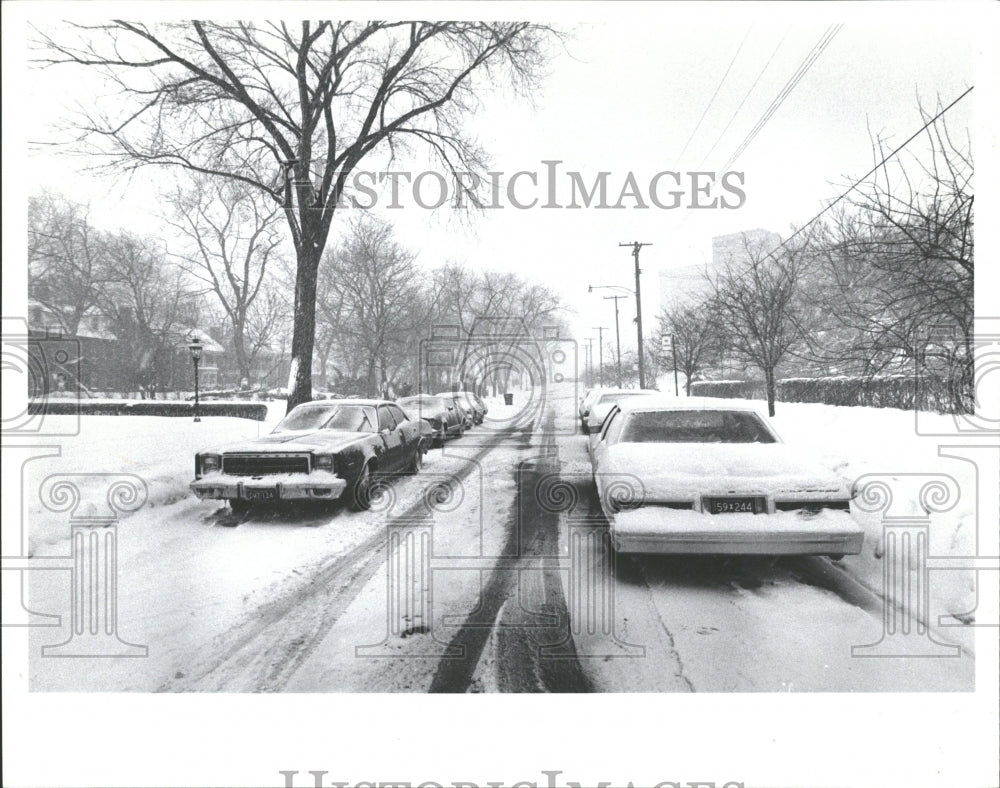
[
  {"x": 664, "y": 402},
  {"x": 334, "y": 402}
]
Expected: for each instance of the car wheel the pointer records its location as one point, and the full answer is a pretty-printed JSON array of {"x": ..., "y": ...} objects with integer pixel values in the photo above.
[
  {"x": 836, "y": 557},
  {"x": 361, "y": 491},
  {"x": 418, "y": 458},
  {"x": 239, "y": 506}
]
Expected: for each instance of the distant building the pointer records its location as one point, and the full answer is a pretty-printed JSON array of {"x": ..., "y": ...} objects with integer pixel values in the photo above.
[
  {"x": 687, "y": 285},
  {"x": 734, "y": 246}
]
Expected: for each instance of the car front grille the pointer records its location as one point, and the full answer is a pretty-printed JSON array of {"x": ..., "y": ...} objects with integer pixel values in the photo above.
[{"x": 264, "y": 464}]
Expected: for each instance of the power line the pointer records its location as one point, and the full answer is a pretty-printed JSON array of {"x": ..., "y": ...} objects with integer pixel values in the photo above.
[
  {"x": 711, "y": 100},
  {"x": 783, "y": 94},
  {"x": 744, "y": 101},
  {"x": 874, "y": 169}
]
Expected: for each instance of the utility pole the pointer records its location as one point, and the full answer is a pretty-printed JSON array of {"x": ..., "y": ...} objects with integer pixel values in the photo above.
[
  {"x": 590, "y": 362},
  {"x": 636, "y": 246},
  {"x": 600, "y": 352},
  {"x": 618, "y": 338}
]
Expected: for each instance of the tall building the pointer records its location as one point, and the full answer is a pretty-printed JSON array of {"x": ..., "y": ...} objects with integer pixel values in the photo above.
[{"x": 686, "y": 285}]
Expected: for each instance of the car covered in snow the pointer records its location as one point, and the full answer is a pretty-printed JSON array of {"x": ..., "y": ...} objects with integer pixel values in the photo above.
[
  {"x": 604, "y": 400},
  {"x": 440, "y": 413},
  {"x": 321, "y": 450},
  {"x": 683, "y": 475},
  {"x": 461, "y": 405}
]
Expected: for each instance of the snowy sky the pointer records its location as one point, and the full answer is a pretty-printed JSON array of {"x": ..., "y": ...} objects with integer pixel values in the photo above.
[{"x": 631, "y": 93}]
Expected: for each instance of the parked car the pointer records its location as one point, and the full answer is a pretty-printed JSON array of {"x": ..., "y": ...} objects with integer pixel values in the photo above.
[
  {"x": 604, "y": 400},
  {"x": 585, "y": 405},
  {"x": 321, "y": 450},
  {"x": 461, "y": 405},
  {"x": 471, "y": 402},
  {"x": 703, "y": 476},
  {"x": 440, "y": 413}
]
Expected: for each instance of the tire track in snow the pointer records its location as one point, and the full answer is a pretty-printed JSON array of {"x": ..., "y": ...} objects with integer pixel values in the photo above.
[
  {"x": 263, "y": 652},
  {"x": 515, "y": 599}
]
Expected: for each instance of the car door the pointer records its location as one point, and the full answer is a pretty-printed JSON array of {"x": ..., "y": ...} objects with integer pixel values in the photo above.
[
  {"x": 409, "y": 434},
  {"x": 390, "y": 435}
]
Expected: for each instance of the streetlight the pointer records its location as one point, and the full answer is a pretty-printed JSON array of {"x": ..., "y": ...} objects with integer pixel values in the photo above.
[
  {"x": 618, "y": 337},
  {"x": 600, "y": 352},
  {"x": 636, "y": 247},
  {"x": 195, "y": 346}
]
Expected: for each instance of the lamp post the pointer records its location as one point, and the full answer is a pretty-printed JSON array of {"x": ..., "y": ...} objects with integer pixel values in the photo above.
[
  {"x": 195, "y": 346},
  {"x": 600, "y": 352},
  {"x": 618, "y": 338},
  {"x": 636, "y": 246}
]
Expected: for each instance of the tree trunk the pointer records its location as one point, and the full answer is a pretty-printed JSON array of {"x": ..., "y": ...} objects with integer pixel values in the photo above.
[
  {"x": 769, "y": 377},
  {"x": 239, "y": 347},
  {"x": 303, "y": 326}
]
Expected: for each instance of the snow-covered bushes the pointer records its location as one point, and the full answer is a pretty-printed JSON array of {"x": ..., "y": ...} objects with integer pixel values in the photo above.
[{"x": 149, "y": 407}]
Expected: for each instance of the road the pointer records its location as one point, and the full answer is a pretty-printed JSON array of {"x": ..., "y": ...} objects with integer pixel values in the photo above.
[{"x": 489, "y": 571}]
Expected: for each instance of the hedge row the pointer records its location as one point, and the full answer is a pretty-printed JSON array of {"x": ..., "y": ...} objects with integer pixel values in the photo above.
[
  {"x": 151, "y": 407},
  {"x": 890, "y": 391}
]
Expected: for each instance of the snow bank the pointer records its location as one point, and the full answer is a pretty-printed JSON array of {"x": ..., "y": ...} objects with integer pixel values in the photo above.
[{"x": 159, "y": 450}]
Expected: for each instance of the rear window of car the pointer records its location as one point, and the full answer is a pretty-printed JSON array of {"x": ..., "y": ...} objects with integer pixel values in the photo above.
[
  {"x": 607, "y": 398},
  {"x": 695, "y": 426}
]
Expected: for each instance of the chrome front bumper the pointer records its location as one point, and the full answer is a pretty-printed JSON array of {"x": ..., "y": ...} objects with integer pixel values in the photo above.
[{"x": 318, "y": 485}]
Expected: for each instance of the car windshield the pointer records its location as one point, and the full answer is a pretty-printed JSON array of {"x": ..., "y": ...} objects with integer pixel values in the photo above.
[
  {"x": 695, "y": 426},
  {"x": 350, "y": 418}
]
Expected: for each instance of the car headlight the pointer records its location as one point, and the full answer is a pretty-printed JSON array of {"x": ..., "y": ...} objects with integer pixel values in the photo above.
[
  {"x": 323, "y": 462},
  {"x": 210, "y": 463}
]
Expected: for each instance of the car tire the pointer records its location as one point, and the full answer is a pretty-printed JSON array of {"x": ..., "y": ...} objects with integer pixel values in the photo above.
[
  {"x": 418, "y": 459},
  {"x": 360, "y": 490},
  {"x": 836, "y": 556},
  {"x": 239, "y": 505}
]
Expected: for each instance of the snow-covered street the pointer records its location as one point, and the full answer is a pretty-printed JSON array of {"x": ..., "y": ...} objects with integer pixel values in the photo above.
[{"x": 486, "y": 571}]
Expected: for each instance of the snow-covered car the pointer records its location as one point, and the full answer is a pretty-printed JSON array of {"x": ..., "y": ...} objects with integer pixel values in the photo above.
[
  {"x": 439, "y": 413},
  {"x": 585, "y": 401},
  {"x": 604, "y": 400},
  {"x": 460, "y": 404},
  {"x": 704, "y": 476},
  {"x": 320, "y": 451},
  {"x": 471, "y": 402}
]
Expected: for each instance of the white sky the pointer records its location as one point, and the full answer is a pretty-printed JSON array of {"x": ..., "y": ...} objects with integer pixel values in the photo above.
[{"x": 625, "y": 96}]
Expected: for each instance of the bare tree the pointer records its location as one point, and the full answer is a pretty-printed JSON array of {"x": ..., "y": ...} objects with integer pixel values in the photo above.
[
  {"x": 755, "y": 301},
  {"x": 371, "y": 285},
  {"x": 292, "y": 111},
  {"x": 899, "y": 259},
  {"x": 695, "y": 333},
  {"x": 229, "y": 235},
  {"x": 67, "y": 259},
  {"x": 146, "y": 303}
]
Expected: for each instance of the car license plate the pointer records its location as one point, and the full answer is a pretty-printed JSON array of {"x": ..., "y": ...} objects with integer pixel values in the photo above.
[
  {"x": 262, "y": 495},
  {"x": 750, "y": 505}
]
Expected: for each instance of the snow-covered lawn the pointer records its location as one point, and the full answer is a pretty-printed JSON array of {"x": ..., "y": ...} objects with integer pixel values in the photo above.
[{"x": 856, "y": 441}]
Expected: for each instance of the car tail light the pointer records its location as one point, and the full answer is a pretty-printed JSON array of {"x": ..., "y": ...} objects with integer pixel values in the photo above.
[{"x": 323, "y": 462}]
